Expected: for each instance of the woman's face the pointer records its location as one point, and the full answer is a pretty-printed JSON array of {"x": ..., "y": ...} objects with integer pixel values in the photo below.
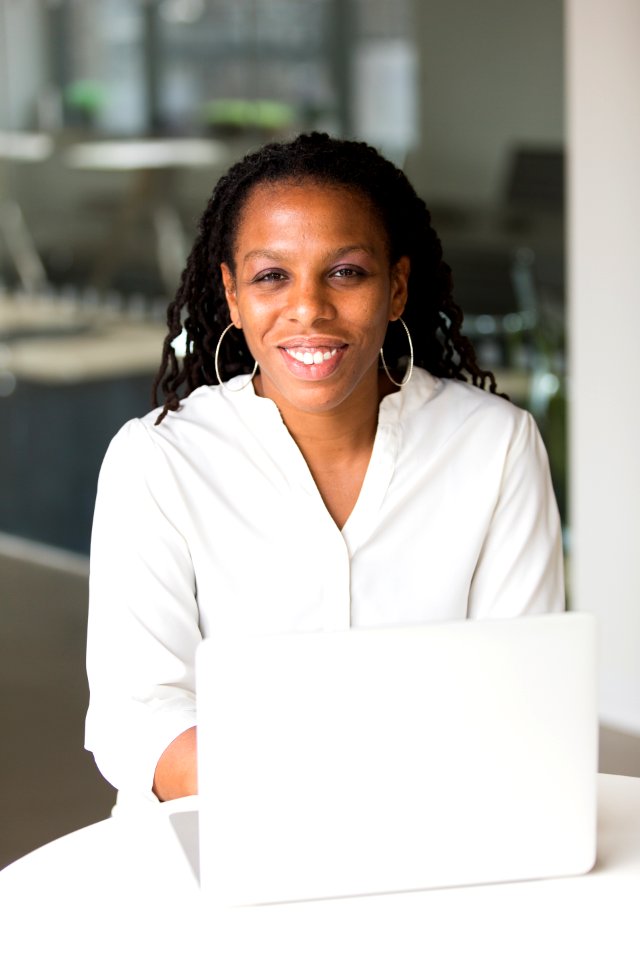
[{"x": 313, "y": 291}]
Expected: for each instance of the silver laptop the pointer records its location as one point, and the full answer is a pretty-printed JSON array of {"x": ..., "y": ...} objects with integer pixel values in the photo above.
[{"x": 396, "y": 759}]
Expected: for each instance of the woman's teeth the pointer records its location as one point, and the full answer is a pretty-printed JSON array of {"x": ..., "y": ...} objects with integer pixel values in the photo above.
[{"x": 305, "y": 356}]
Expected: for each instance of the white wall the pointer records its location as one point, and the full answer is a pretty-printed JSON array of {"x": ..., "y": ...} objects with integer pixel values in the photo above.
[
  {"x": 491, "y": 76},
  {"x": 603, "y": 80}
]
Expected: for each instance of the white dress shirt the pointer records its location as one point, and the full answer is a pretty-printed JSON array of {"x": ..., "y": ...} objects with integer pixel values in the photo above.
[{"x": 211, "y": 524}]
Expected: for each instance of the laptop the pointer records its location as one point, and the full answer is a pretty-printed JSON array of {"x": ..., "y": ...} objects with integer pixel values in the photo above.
[{"x": 395, "y": 759}]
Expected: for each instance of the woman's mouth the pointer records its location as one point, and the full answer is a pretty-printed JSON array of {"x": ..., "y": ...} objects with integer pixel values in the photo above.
[
  {"x": 307, "y": 357},
  {"x": 312, "y": 362}
]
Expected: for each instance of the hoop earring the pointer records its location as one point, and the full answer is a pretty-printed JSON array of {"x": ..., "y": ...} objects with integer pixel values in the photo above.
[
  {"x": 407, "y": 375},
  {"x": 217, "y": 369}
]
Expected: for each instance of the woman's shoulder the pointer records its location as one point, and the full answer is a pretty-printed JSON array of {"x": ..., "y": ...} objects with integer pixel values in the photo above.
[
  {"x": 211, "y": 419},
  {"x": 200, "y": 411},
  {"x": 459, "y": 400},
  {"x": 196, "y": 408},
  {"x": 453, "y": 415},
  {"x": 461, "y": 420}
]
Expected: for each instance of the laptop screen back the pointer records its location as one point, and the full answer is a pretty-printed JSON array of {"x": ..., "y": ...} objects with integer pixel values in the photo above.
[{"x": 395, "y": 759}]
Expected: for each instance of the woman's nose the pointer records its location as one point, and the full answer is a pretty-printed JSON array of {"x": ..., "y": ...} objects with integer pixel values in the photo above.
[{"x": 309, "y": 301}]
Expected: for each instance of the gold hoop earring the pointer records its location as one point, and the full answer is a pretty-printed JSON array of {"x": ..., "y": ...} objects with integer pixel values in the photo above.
[
  {"x": 215, "y": 364},
  {"x": 407, "y": 375}
]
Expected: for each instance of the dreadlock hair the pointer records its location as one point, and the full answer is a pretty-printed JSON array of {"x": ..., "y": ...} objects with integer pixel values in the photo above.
[{"x": 200, "y": 306}]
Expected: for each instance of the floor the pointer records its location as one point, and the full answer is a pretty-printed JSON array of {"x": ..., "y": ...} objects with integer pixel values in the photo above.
[{"x": 50, "y": 784}]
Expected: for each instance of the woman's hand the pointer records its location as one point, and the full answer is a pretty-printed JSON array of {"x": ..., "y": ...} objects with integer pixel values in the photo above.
[{"x": 177, "y": 769}]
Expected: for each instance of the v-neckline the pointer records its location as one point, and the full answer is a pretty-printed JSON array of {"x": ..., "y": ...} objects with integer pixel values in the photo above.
[{"x": 377, "y": 476}]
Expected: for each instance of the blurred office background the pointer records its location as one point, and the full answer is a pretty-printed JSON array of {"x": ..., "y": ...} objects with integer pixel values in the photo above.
[{"x": 116, "y": 119}]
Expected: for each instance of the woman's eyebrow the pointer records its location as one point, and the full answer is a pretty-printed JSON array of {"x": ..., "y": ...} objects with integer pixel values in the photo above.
[
  {"x": 353, "y": 248},
  {"x": 277, "y": 254},
  {"x": 269, "y": 254}
]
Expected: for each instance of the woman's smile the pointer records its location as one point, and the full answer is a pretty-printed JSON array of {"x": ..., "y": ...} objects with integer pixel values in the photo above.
[
  {"x": 313, "y": 291},
  {"x": 312, "y": 358}
]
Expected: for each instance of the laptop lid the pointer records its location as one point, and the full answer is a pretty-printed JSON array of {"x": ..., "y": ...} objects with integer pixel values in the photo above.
[{"x": 395, "y": 759}]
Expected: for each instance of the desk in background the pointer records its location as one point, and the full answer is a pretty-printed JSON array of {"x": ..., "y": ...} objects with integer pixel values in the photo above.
[
  {"x": 151, "y": 164},
  {"x": 68, "y": 381}
]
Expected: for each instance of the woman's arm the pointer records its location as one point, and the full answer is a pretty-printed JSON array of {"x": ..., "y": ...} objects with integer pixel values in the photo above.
[
  {"x": 520, "y": 569},
  {"x": 143, "y": 618}
]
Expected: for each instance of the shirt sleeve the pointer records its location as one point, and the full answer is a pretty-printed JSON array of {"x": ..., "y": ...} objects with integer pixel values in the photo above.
[
  {"x": 143, "y": 617},
  {"x": 520, "y": 568}
]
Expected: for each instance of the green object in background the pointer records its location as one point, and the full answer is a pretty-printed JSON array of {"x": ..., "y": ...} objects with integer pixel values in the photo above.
[
  {"x": 243, "y": 114},
  {"x": 85, "y": 96},
  {"x": 554, "y": 433}
]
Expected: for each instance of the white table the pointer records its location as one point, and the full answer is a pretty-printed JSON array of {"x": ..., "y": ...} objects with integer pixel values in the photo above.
[
  {"x": 134, "y": 155},
  {"x": 151, "y": 164},
  {"x": 124, "y": 888},
  {"x": 109, "y": 350}
]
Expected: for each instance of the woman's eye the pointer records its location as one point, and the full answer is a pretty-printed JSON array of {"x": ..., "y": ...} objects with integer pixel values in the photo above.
[
  {"x": 347, "y": 272},
  {"x": 270, "y": 276}
]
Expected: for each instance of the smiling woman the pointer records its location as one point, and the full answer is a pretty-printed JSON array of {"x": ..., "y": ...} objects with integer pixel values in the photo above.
[
  {"x": 298, "y": 477},
  {"x": 313, "y": 291},
  {"x": 315, "y": 296}
]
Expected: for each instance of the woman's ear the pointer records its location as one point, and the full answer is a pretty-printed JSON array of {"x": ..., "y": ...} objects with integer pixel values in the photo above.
[
  {"x": 399, "y": 286},
  {"x": 229, "y": 283}
]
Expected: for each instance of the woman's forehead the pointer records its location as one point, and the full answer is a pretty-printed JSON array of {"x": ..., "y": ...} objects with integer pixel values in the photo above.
[{"x": 283, "y": 203}]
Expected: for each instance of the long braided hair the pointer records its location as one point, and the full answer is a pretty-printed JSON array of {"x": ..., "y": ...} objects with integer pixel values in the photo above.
[{"x": 200, "y": 308}]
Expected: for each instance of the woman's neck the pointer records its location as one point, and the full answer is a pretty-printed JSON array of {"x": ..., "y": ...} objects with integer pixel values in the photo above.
[
  {"x": 338, "y": 432},
  {"x": 337, "y": 445}
]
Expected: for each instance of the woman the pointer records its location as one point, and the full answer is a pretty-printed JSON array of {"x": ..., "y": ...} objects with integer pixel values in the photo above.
[{"x": 325, "y": 456}]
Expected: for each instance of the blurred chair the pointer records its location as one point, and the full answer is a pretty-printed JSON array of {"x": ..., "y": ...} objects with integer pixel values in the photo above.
[
  {"x": 535, "y": 181},
  {"x": 18, "y": 147},
  {"x": 497, "y": 318}
]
